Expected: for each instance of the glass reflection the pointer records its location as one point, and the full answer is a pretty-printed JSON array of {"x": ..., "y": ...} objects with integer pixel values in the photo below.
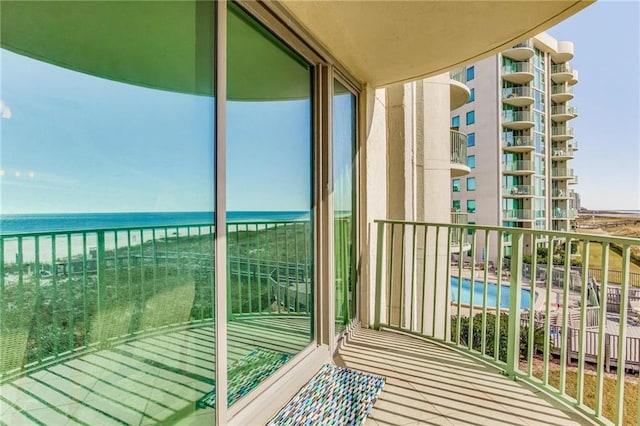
[{"x": 269, "y": 193}]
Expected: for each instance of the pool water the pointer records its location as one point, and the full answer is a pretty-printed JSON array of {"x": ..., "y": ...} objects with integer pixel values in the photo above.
[{"x": 478, "y": 290}]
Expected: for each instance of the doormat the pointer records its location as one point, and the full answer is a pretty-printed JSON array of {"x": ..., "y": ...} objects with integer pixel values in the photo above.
[
  {"x": 335, "y": 396},
  {"x": 245, "y": 374}
]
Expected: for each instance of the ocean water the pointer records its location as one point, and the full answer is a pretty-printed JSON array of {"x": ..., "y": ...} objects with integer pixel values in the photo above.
[{"x": 28, "y": 223}]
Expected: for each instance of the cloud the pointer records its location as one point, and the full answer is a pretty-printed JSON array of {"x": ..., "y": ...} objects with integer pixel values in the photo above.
[{"x": 5, "y": 112}]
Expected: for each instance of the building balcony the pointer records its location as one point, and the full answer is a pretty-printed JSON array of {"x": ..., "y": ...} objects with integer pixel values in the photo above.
[
  {"x": 521, "y": 167},
  {"x": 561, "y": 113},
  {"x": 459, "y": 154},
  {"x": 518, "y": 72},
  {"x": 459, "y": 93},
  {"x": 564, "y": 52},
  {"x": 517, "y": 191},
  {"x": 573, "y": 144},
  {"x": 516, "y": 214},
  {"x": 557, "y": 193},
  {"x": 553, "y": 335},
  {"x": 517, "y": 96},
  {"x": 561, "y": 173},
  {"x": 517, "y": 120},
  {"x": 561, "y": 133},
  {"x": 521, "y": 51},
  {"x": 562, "y": 154},
  {"x": 561, "y": 73},
  {"x": 573, "y": 180},
  {"x": 142, "y": 351},
  {"x": 518, "y": 144},
  {"x": 561, "y": 93},
  {"x": 574, "y": 78}
]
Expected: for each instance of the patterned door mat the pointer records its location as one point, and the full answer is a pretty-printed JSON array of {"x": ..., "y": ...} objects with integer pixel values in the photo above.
[
  {"x": 246, "y": 374},
  {"x": 335, "y": 396}
]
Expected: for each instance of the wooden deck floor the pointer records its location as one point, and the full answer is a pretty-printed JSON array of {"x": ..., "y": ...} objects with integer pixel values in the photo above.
[{"x": 155, "y": 379}]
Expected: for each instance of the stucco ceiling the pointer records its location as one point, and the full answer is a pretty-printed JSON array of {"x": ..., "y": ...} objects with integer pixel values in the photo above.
[{"x": 384, "y": 42}]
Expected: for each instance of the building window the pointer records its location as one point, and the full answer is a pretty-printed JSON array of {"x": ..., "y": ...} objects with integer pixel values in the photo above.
[
  {"x": 470, "y": 231},
  {"x": 471, "y": 73},
  {"x": 471, "y": 184},
  {"x": 471, "y": 117},
  {"x": 456, "y": 185},
  {"x": 456, "y": 205},
  {"x": 471, "y": 206},
  {"x": 455, "y": 121},
  {"x": 471, "y": 139},
  {"x": 472, "y": 96},
  {"x": 471, "y": 161}
]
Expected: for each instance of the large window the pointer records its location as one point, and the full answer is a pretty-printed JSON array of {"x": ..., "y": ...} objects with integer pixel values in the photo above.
[
  {"x": 269, "y": 194},
  {"x": 455, "y": 121},
  {"x": 471, "y": 184},
  {"x": 471, "y": 206},
  {"x": 108, "y": 185},
  {"x": 455, "y": 185},
  {"x": 471, "y": 161},
  {"x": 471, "y": 139},
  {"x": 455, "y": 205}
]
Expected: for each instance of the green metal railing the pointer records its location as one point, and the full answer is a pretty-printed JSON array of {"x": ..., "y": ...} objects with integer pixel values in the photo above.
[
  {"x": 63, "y": 293},
  {"x": 553, "y": 346},
  {"x": 458, "y": 147}
]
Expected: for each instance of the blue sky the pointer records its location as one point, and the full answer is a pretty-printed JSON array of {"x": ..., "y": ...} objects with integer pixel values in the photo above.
[{"x": 606, "y": 39}]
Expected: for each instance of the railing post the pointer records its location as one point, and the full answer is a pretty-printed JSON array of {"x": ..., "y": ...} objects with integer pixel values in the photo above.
[
  {"x": 607, "y": 353},
  {"x": 101, "y": 286},
  {"x": 378, "y": 291},
  {"x": 513, "y": 331}
]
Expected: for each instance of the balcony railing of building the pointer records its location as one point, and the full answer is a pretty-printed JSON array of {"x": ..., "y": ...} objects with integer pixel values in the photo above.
[
  {"x": 573, "y": 144},
  {"x": 521, "y": 51},
  {"x": 65, "y": 294},
  {"x": 524, "y": 166},
  {"x": 518, "y": 72},
  {"x": 557, "y": 334},
  {"x": 458, "y": 147},
  {"x": 573, "y": 180},
  {"x": 517, "y": 191},
  {"x": 564, "y": 110},
  {"x": 518, "y": 143},
  {"x": 560, "y": 193},
  {"x": 517, "y": 92},
  {"x": 517, "y": 214},
  {"x": 561, "y": 92},
  {"x": 560, "y": 133},
  {"x": 459, "y": 75},
  {"x": 562, "y": 173},
  {"x": 562, "y": 154},
  {"x": 525, "y": 117},
  {"x": 561, "y": 73}
]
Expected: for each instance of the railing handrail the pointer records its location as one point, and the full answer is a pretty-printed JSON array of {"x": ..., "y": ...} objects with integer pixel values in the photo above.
[{"x": 594, "y": 238}]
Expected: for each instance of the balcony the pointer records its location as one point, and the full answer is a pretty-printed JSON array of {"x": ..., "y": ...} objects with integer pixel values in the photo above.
[
  {"x": 573, "y": 144},
  {"x": 518, "y": 72},
  {"x": 520, "y": 52},
  {"x": 561, "y": 73},
  {"x": 519, "y": 167},
  {"x": 557, "y": 193},
  {"x": 562, "y": 154},
  {"x": 561, "y": 133},
  {"x": 517, "y": 96},
  {"x": 518, "y": 144},
  {"x": 517, "y": 120},
  {"x": 459, "y": 93},
  {"x": 573, "y": 180},
  {"x": 516, "y": 214},
  {"x": 561, "y": 93},
  {"x": 561, "y": 113},
  {"x": 459, "y": 154},
  {"x": 561, "y": 173},
  {"x": 517, "y": 191},
  {"x": 549, "y": 335}
]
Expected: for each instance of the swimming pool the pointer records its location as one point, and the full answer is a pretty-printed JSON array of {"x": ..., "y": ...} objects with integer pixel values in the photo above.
[{"x": 478, "y": 289}]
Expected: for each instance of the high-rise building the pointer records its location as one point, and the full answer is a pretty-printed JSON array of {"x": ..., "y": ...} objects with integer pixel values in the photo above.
[{"x": 519, "y": 141}]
